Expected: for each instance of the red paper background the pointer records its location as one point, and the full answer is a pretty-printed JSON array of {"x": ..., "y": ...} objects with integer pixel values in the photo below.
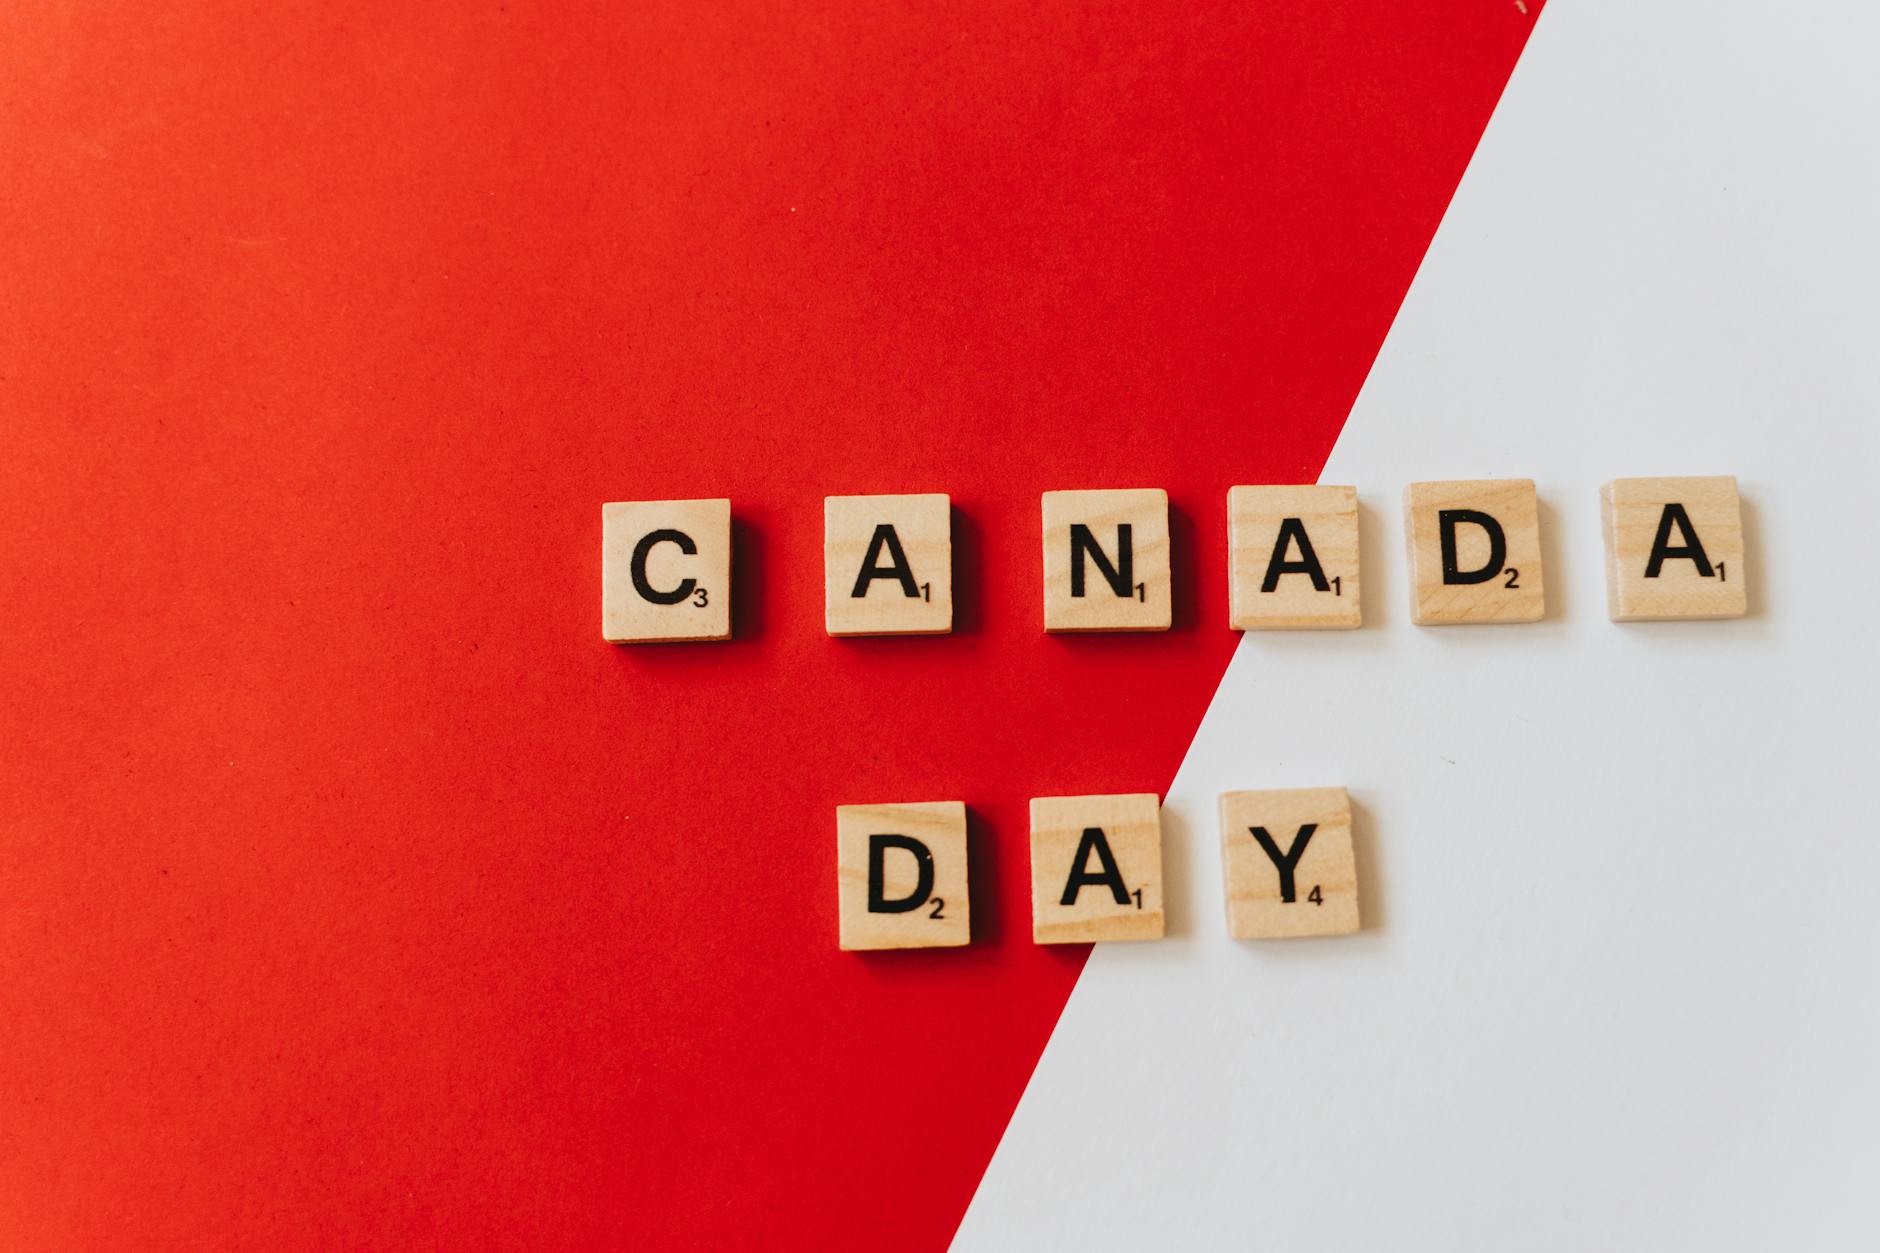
[{"x": 352, "y": 892}]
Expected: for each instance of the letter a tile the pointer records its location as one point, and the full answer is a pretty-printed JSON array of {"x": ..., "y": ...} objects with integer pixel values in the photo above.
[
  {"x": 1288, "y": 863},
  {"x": 1475, "y": 552},
  {"x": 1293, "y": 557},
  {"x": 1096, "y": 868},
  {"x": 1106, "y": 561},
  {"x": 665, "y": 570},
  {"x": 888, "y": 565},
  {"x": 901, "y": 876},
  {"x": 1674, "y": 549}
]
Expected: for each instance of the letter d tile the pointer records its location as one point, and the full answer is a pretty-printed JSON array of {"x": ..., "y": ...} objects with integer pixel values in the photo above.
[
  {"x": 901, "y": 876},
  {"x": 1475, "y": 552}
]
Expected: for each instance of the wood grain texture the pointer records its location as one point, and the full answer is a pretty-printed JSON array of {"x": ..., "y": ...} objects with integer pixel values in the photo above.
[
  {"x": 1144, "y": 602},
  {"x": 922, "y": 529},
  {"x": 941, "y": 917},
  {"x": 1271, "y": 528},
  {"x": 1067, "y": 859},
  {"x": 1697, "y": 526},
  {"x": 1324, "y": 871},
  {"x": 704, "y": 612},
  {"x": 1515, "y": 591}
]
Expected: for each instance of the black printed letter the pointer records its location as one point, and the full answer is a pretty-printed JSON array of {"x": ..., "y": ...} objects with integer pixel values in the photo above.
[
  {"x": 897, "y": 567},
  {"x": 1287, "y": 861},
  {"x": 637, "y": 567},
  {"x": 1497, "y": 545},
  {"x": 1692, "y": 548},
  {"x": 1293, "y": 531},
  {"x": 1082, "y": 876},
  {"x": 1120, "y": 577},
  {"x": 878, "y": 902}
]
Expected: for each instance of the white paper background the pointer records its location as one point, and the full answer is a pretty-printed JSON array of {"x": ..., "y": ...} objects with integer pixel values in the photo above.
[{"x": 1618, "y": 984}]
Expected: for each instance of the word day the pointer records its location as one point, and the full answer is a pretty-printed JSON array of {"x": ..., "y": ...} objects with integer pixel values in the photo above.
[
  {"x": 1674, "y": 550},
  {"x": 1096, "y": 869}
]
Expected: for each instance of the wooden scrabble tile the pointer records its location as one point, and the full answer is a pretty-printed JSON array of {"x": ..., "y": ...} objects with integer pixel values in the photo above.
[
  {"x": 888, "y": 565},
  {"x": 1106, "y": 561},
  {"x": 1096, "y": 868},
  {"x": 901, "y": 876},
  {"x": 1674, "y": 549},
  {"x": 666, "y": 570},
  {"x": 1288, "y": 862},
  {"x": 1475, "y": 551},
  {"x": 1293, "y": 557}
]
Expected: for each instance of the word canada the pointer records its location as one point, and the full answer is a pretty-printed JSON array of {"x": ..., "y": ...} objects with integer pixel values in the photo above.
[{"x": 1674, "y": 550}]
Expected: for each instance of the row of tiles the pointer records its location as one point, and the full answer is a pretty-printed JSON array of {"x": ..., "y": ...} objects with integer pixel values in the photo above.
[
  {"x": 1096, "y": 869},
  {"x": 1674, "y": 550}
]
